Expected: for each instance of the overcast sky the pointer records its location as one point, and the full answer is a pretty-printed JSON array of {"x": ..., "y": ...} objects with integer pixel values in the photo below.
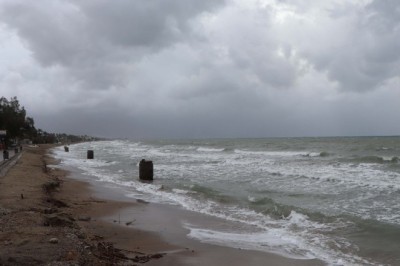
[{"x": 209, "y": 68}]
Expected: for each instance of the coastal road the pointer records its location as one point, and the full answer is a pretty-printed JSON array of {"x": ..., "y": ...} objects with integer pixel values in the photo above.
[
  {"x": 5, "y": 165},
  {"x": 11, "y": 153}
]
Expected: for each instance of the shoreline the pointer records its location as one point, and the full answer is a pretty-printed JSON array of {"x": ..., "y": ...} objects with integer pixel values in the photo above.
[
  {"x": 105, "y": 229},
  {"x": 46, "y": 220}
]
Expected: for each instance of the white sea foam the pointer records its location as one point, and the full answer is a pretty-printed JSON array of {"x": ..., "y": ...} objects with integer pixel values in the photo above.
[
  {"x": 272, "y": 153},
  {"x": 314, "y": 154},
  {"x": 267, "y": 241},
  {"x": 251, "y": 199},
  {"x": 181, "y": 191},
  {"x": 204, "y": 149}
]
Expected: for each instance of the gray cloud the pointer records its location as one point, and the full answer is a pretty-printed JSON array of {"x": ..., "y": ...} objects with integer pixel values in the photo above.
[
  {"x": 94, "y": 41},
  {"x": 165, "y": 68},
  {"x": 356, "y": 46},
  {"x": 150, "y": 24}
]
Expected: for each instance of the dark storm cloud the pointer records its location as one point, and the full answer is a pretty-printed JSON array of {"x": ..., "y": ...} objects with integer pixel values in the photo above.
[
  {"x": 373, "y": 58},
  {"x": 154, "y": 24},
  {"x": 360, "y": 54},
  {"x": 50, "y": 29},
  {"x": 189, "y": 68},
  {"x": 60, "y": 32},
  {"x": 94, "y": 40}
]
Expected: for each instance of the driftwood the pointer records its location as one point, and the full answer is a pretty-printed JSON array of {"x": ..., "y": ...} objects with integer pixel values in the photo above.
[{"x": 107, "y": 251}]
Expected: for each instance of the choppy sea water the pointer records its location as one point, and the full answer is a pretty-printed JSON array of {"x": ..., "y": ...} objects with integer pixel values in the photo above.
[{"x": 335, "y": 199}]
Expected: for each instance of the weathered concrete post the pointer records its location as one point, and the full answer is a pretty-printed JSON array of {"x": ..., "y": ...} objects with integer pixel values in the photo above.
[
  {"x": 90, "y": 154},
  {"x": 66, "y": 148},
  {"x": 5, "y": 155},
  {"x": 145, "y": 170}
]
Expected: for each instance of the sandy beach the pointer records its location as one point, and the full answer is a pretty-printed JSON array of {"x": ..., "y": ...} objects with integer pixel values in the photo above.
[{"x": 49, "y": 217}]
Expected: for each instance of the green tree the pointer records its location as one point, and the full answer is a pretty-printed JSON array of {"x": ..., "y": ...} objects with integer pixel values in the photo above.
[
  {"x": 12, "y": 116},
  {"x": 13, "y": 119}
]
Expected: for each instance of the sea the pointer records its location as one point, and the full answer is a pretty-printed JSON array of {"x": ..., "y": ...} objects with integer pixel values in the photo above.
[{"x": 336, "y": 199}]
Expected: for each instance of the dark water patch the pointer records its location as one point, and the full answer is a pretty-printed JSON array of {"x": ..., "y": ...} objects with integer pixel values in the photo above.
[
  {"x": 321, "y": 154},
  {"x": 277, "y": 210},
  {"x": 324, "y": 154},
  {"x": 209, "y": 193},
  {"x": 373, "y": 160},
  {"x": 376, "y": 240},
  {"x": 270, "y": 207},
  {"x": 229, "y": 150},
  {"x": 369, "y": 159},
  {"x": 296, "y": 195},
  {"x": 275, "y": 174},
  {"x": 261, "y": 201},
  {"x": 214, "y": 162},
  {"x": 203, "y": 190}
]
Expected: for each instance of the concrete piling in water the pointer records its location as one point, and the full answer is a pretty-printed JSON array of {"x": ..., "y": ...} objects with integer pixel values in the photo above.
[
  {"x": 90, "y": 154},
  {"x": 145, "y": 170},
  {"x": 66, "y": 148}
]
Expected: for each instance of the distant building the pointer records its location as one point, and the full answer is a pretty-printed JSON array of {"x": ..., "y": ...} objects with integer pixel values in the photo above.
[{"x": 26, "y": 141}]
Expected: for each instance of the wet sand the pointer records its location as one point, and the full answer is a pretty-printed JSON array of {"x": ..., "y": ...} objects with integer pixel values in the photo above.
[{"x": 94, "y": 225}]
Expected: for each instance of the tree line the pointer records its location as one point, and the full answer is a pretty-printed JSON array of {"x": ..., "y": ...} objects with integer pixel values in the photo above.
[{"x": 19, "y": 126}]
